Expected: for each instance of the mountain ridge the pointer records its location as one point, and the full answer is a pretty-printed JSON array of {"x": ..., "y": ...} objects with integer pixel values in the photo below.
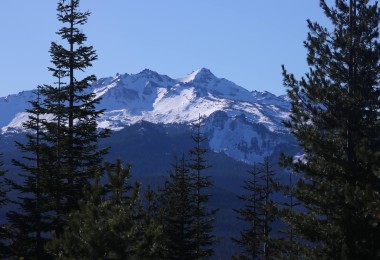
[{"x": 242, "y": 124}]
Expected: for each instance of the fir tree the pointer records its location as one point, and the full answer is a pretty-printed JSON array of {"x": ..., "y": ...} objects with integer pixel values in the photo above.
[
  {"x": 202, "y": 226},
  {"x": 260, "y": 212},
  {"x": 289, "y": 245},
  {"x": 335, "y": 117},
  {"x": 151, "y": 242},
  {"x": 270, "y": 210},
  {"x": 84, "y": 235},
  {"x": 3, "y": 187},
  {"x": 177, "y": 200},
  {"x": 252, "y": 213},
  {"x": 61, "y": 153},
  {"x": 74, "y": 107},
  {"x": 54, "y": 137},
  {"x": 123, "y": 214},
  {"x": 3, "y": 202},
  {"x": 104, "y": 227},
  {"x": 29, "y": 221},
  {"x": 70, "y": 135},
  {"x": 118, "y": 177}
]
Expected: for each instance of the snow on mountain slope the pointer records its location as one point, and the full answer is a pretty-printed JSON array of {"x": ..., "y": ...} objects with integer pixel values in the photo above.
[
  {"x": 12, "y": 109},
  {"x": 160, "y": 99},
  {"x": 250, "y": 119}
]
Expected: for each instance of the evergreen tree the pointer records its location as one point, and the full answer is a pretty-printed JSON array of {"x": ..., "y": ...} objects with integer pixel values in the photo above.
[
  {"x": 3, "y": 187},
  {"x": 61, "y": 155},
  {"x": 289, "y": 245},
  {"x": 151, "y": 242},
  {"x": 70, "y": 136},
  {"x": 118, "y": 185},
  {"x": 177, "y": 200},
  {"x": 123, "y": 217},
  {"x": 54, "y": 137},
  {"x": 252, "y": 213},
  {"x": 104, "y": 227},
  {"x": 202, "y": 226},
  {"x": 260, "y": 212},
  {"x": 3, "y": 202},
  {"x": 84, "y": 235},
  {"x": 335, "y": 117},
  {"x": 76, "y": 134},
  {"x": 270, "y": 210},
  {"x": 29, "y": 221}
]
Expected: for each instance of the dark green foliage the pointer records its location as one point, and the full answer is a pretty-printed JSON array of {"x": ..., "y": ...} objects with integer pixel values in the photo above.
[
  {"x": 335, "y": 117},
  {"x": 75, "y": 131},
  {"x": 3, "y": 202},
  {"x": 85, "y": 234},
  {"x": 3, "y": 187},
  {"x": 270, "y": 207},
  {"x": 259, "y": 212},
  {"x": 112, "y": 223},
  {"x": 288, "y": 245},
  {"x": 70, "y": 134},
  {"x": 251, "y": 239},
  {"x": 104, "y": 227},
  {"x": 202, "y": 226},
  {"x": 29, "y": 222},
  {"x": 151, "y": 241},
  {"x": 118, "y": 181},
  {"x": 61, "y": 155},
  {"x": 188, "y": 220},
  {"x": 177, "y": 199}
]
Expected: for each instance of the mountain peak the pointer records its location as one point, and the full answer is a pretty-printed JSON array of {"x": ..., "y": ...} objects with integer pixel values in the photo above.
[
  {"x": 148, "y": 73},
  {"x": 201, "y": 74},
  {"x": 153, "y": 75}
]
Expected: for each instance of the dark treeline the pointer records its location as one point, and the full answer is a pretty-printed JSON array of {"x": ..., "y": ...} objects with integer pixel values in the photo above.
[{"x": 72, "y": 205}]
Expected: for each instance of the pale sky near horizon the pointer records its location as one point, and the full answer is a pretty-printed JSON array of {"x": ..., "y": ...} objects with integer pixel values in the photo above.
[{"x": 245, "y": 41}]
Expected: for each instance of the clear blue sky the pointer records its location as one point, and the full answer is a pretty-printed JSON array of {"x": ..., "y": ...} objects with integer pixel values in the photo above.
[{"x": 245, "y": 41}]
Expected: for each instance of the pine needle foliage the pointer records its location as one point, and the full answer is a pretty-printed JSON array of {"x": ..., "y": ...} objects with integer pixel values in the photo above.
[
  {"x": 177, "y": 201},
  {"x": 74, "y": 106},
  {"x": 104, "y": 226},
  {"x": 259, "y": 213},
  {"x": 335, "y": 117},
  {"x": 3, "y": 202},
  {"x": 203, "y": 225},
  {"x": 29, "y": 221}
]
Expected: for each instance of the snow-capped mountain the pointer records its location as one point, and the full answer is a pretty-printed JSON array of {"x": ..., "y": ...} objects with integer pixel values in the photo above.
[{"x": 242, "y": 124}]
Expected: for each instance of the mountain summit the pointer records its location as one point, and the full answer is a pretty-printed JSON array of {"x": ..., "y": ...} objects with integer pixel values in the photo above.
[
  {"x": 201, "y": 74},
  {"x": 242, "y": 124}
]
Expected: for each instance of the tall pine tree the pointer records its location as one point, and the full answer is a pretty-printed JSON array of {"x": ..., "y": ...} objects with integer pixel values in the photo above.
[
  {"x": 3, "y": 202},
  {"x": 61, "y": 154},
  {"x": 71, "y": 133},
  {"x": 335, "y": 116},
  {"x": 251, "y": 238},
  {"x": 260, "y": 211},
  {"x": 289, "y": 245},
  {"x": 151, "y": 240},
  {"x": 107, "y": 223},
  {"x": 74, "y": 106},
  {"x": 29, "y": 220},
  {"x": 3, "y": 187},
  {"x": 177, "y": 200},
  {"x": 270, "y": 213},
  {"x": 203, "y": 224}
]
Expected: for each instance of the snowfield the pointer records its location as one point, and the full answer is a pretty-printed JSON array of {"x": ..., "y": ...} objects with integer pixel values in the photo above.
[{"x": 245, "y": 125}]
